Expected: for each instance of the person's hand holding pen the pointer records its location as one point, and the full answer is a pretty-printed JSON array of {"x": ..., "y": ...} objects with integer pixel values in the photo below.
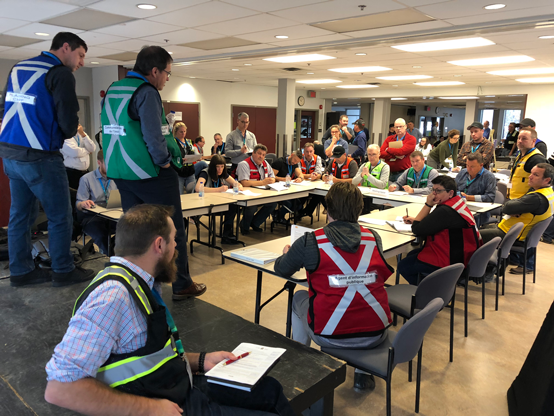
[
  {"x": 407, "y": 219},
  {"x": 244, "y": 148}
]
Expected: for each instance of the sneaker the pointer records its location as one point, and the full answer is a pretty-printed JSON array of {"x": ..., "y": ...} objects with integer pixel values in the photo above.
[
  {"x": 229, "y": 240},
  {"x": 546, "y": 241},
  {"x": 519, "y": 270},
  {"x": 35, "y": 276},
  {"x": 196, "y": 289},
  {"x": 257, "y": 229},
  {"x": 77, "y": 275},
  {"x": 364, "y": 382}
]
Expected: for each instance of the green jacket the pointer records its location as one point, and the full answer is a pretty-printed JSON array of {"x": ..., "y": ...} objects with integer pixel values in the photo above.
[{"x": 442, "y": 152}]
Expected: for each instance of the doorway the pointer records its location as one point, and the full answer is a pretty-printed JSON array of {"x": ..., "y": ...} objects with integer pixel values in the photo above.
[
  {"x": 306, "y": 129},
  {"x": 263, "y": 123}
]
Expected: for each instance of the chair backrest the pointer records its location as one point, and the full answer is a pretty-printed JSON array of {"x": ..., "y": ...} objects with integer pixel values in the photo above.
[
  {"x": 499, "y": 198},
  {"x": 408, "y": 340},
  {"x": 503, "y": 188},
  {"x": 270, "y": 157},
  {"x": 509, "y": 240},
  {"x": 352, "y": 148},
  {"x": 507, "y": 172},
  {"x": 534, "y": 236},
  {"x": 480, "y": 259},
  {"x": 439, "y": 284}
]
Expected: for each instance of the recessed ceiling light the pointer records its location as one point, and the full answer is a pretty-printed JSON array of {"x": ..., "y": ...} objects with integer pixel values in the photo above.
[
  {"x": 361, "y": 54},
  {"x": 398, "y": 99},
  {"x": 234, "y": 69},
  {"x": 514, "y": 101},
  {"x": 546, "y": 37},
  {"x": 334, "y": 102},
  {"x": 323, "y": 88},
  {"x": 458, "y": 76},
  {"x": 192, "y": 77},
  {"x": 318, "y": 81},
  {"x": 438, "y": 83},
  {"x": 515, "y": 95},
  {"x": 442, "y": 45},
  {"x": 488, "y": 82},
  {"x": 530, "y": 71},
  {"x": 247, "y": 64},
  {"x": 458, "y": 98},
  {"x": 281, "y": 37},
  {"x": 357, "y": 86},
  {"x": 94, "y": 63},
  {"x": 536, "y": 80},
  {"x": 147, "y": 6},
  {"x": 489, "y": 102},
  {"x": 490, "y": 96},
  {"x": 309, "y": 73},
  {"x": 404, "y": 77},
  {"x": 300, "y": 58},
  {"x": 395, "y": 85},
  {"x": 41, "y": 34},
  {"x": 360, "y": 69},
  {"x": 494, "y": 6},
  {"x": 416, "y": 66},
  {"x": 182, "y": 63},
  {"x": 493, "y": 61}
]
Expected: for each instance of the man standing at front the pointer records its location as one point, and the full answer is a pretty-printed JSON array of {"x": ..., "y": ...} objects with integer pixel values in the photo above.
[
  {"x": 360, "y": 141},
  {"x": 40, "y": 111},
  {"x": 396, "y": 149},
  {"x": 139, "y": 148},
  {"x": 240, "y": 142},
  {"x": 529, "y": 156},
  {"x": 476, "y": 144}
]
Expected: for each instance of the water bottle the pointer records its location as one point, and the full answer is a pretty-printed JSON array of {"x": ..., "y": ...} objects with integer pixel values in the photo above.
[
  {"x": 201, "y": 191},
  {"x": 236, "y": 188},
  {"x": 330, "y": 179},
  {"x": 287, "y": 180}
]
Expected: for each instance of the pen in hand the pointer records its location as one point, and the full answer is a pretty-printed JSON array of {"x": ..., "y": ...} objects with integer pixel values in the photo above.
[
  {"x": 407, "y": 215},
  {"x": 238, "y": 358}
]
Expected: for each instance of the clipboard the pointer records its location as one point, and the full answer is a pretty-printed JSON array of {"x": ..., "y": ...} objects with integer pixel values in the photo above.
[{"x": 396, "y": 144}]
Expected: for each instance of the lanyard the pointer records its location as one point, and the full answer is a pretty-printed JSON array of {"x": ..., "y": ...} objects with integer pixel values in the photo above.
[
  {"x": 473, "y": 150},
  {"x": 418, "y": 177},
  {"x": 243, "y": 137},
  {"x": 170, "y": 322},
  {"x": 290, "y": 168},
  {"x": 216, "y": 183},
  {"x": 77, "y": 139},
  {"x": 402, "y": 139},
  {"x": 469, "y": 182},
  {"x": 105, "y": 188},
  {"x": 51, "y": 55},
  {"x": 450, "y": 147},
  {"x": 522, "y": 156},
  {"x": 222, "y": 151}
]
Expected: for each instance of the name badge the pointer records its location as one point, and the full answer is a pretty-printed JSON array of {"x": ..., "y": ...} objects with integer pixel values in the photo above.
[
  {"x": 114, "y": 130},
  {"x": 21, "y": 98},
  {"x": 379, "y": 191},
  {"x": 509, "y": 185},
  {"x": 165, "y": 130},
  {"x": 345, "y": 280}
]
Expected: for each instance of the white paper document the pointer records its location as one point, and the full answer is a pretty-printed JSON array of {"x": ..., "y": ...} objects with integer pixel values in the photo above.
[
  {"x": 247, "y": 192},
  {"x": 279, "y": 186},
  {"x": 191, "y": 158},
  {"x": 398, "y": 193},
  {"x": 243, "y": 374},
  {"x": 296, "y": 231},
  {"x": 452, "y": 174},
  {"x": 373, "y": 221},
  {"x": 303, "y": 183},
  {"x": 400, "y": 226},
  {"x": 255, "y": 255}
]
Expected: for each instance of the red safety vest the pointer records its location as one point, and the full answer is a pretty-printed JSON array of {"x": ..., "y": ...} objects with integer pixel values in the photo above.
[
  {"x": 308, "y": 169},
  {"x": 452, "y": 246},
  {"x": 254, "y": 172},
  {"x": 344, "y": 172},
  {"x": 347, "y": 293}
]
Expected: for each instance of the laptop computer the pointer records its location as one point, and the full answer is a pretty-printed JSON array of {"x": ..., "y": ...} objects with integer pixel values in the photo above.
[{"x": 115, "y": 199}]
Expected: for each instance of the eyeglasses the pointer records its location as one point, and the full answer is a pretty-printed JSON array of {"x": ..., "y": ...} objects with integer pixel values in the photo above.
[
  {"x": 437, "y": 190},
  {"x": 399, "y": 127},
  {"x": 167, "y": 72}
]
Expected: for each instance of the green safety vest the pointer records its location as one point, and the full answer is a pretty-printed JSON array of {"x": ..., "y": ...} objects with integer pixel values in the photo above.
[
  {"x": 126, "y": 155},
  {"x": 376, "y": 173},
  {"x": 422, "y": 181}
]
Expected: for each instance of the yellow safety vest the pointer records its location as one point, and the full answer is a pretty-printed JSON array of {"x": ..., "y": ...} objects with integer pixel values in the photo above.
[
  {"x": 528, "y": 219},
  {"x": 519, "y": 177}
]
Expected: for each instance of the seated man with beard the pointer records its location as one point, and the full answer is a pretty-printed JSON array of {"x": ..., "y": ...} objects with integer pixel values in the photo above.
[{"x": 122, "y": 355}]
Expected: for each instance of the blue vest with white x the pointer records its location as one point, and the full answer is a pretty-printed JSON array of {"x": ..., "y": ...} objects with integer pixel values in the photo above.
[{"x": 29, "y": 113}]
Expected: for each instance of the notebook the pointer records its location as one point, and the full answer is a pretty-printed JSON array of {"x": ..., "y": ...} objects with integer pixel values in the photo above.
[{"x": 255, "y": 255}]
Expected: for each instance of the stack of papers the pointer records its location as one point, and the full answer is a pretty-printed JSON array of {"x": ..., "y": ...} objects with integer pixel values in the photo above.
[
  {"x": 255, "y": 255},
  {"x": 296, "y": 231},
  {"x": 245, "y": 373},
  {"x": 398, "y": 193},
  {"x": 279, "y": 186}
]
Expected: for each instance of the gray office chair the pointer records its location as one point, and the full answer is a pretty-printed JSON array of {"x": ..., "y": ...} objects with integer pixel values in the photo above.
[
  {"x": 271, "y": 157},
  {"x": 531, "y": 242},
  {"x": 497, "y": 213},
  {"x": 502, "y": 254},
  {"x": 398, "y": 347},
  {"x": 503, "y": 188},
  {"x": 475, "y": 270},
  {"x": 407, "y": 300}
]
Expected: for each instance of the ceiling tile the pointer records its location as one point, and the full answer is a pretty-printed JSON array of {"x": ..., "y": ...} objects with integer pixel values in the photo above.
[
  {"x": 394, "y": 30},
  {"x": 318, "y": 39},
  {"x": 40, "y": 46},
  {"x": 251, "y": 24},
  {"x": 417, "y": 3},
  {"x": 9, "y": 24},
  {"x": 293, "y": 32},
  {"x": 183, "y": 36},
  {"x": 138, "y": 29},
  {"x": 459, "y": 8},
  {"x": 130, "y": 45},
  {"x": 18, "y": 53},
  {"x": 33, "y": 10},
  {"x": 221, "y": 43},
  {"x": 96, "y": 51},
  {"x": 204, "y": 14},
  {"x": 271, "y": 5},
  {"x": 121, "y": 56},
  {"x": 16, "y": 41},
  {"x": 30, "y": 29},
  {"x": 87, "y": 19},
  {"x": 96, "y": 38},
  {"x": 508, "y": 15},
  {"x": 129, "y": 7}
]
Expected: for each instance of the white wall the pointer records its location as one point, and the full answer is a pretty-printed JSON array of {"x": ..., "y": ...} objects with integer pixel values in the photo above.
[
  {"x": 454, "y": 122},
  {"x": 312, "y": 104}
]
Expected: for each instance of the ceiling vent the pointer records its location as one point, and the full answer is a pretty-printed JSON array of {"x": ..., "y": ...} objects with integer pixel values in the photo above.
[
  {"x": 292, "y": 69},
  {"x": 373, "y": 83}
]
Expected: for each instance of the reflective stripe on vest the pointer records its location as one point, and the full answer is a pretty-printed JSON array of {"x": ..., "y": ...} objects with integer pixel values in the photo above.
[
  {"x": 254, "y": 171},
  {"x": 308, "y": 169},
  {"x": 133, "y": 368},
  {"x": 375, "y": 172},
  {"x": 519, "y": 177},
  {"x": 344, "y": 172},
  {"x": 351, "y": 291}
]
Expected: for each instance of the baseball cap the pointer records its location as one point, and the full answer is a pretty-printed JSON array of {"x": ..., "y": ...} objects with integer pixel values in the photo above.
[
  {"x": 475, "y": 124},
  {"x": 359, "y": 123},
  {"x": 526, "y": 122},
  {"x": 338, "y": 151}
]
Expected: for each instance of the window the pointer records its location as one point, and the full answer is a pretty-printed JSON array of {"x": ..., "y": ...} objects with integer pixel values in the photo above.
[
  {"x": 487, "y": 115},
  {"x": 510, "y": 116}
]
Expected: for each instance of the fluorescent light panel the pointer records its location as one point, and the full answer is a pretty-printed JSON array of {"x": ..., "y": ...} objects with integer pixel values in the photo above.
[
  {"x": 357, "y": 86},
  {"x": 404, "y": 77},
  {"x": 458, "y": 98},
  {"x": 438, "y": 83},
  {"x": 493, "y": 61},
  {"x": 299, "y": 58},
  {"x": 536, "y": 80},
  {"x": 361, "y": 69},
  {"x": 494, "y": 6},
  {"x": 398, "y": 99},
  {"x": 318, "y": 81},
  {"x": 443, "y": 45},
  {"x": 529, "y": 71}
]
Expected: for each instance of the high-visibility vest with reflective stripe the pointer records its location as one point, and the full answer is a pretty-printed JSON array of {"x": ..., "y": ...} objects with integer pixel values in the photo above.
[
  {"x": 344, "y": 171},
  {"x": 158, "y": 356},
  {"x": 254, "y": 172},
  {"x": 520, "y": 178},
  {"x": 125, "y": 152},
  {"x": 30, "y": 118},
  {"x": 455, "y": 245},
  {"x": 375, "y": 172},
  {"x": 411, "y": 177},
  {"x": 347, "y": 294},
  {"x": 529, "y": 220},
  {"x": 307, "y": 169}
]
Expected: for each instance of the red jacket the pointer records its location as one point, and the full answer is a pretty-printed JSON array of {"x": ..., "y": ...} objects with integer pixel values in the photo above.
[
  {"x": 347, "y": 293},
  {"x": 390, "y": 155}
]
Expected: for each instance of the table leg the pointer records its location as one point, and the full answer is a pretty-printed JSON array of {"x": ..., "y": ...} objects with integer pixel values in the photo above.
[
  {"x": 324, "y": 406},
  {"x": 290, "y": 288},
  {"x": 258, "y": 297}
]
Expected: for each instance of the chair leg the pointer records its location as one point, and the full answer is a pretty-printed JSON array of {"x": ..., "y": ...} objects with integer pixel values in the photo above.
[
  {"x": 465, "y": 307},
  {"x": 418, "y": 377},
  {"x": 483, "y": 297},
  {"x": 497, "y": 283},
  {"x": 524, "y": 269},
  {"x": 504, "y": 275},
  {"x": 535, "y": 265},
  {"x": 452, "y": 327},
  {"x": 389, "y": 398}
]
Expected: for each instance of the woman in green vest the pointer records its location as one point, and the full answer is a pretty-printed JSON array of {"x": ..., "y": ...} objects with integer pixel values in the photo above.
[
  {"x": 446, "y": 153},
  {"x": 373, "y": 174},
  {"x": 187, "y": 180}
]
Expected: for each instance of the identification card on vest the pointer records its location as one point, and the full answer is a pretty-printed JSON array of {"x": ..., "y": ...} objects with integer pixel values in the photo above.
[
  {"x": 21, "y": 98},
  {"x": 165, "y": 130},
  {"x": 345, "y": 280},
  {"x": 114, "y": 130}
]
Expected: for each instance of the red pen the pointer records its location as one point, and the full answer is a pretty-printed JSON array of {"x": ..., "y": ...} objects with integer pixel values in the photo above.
[{"x": 238, "y": 358}]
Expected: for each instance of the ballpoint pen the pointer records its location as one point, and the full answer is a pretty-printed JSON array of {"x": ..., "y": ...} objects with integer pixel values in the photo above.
[{"x": 238, "y": 358}]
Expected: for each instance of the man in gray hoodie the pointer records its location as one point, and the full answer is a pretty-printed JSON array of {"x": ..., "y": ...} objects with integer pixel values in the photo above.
[{"x": 341, "y": 260}]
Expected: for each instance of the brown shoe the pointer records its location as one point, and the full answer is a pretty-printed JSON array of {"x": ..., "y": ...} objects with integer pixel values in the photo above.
[
  {"x": 196, "y": 289},
  {"x": 519, "y": 270}
]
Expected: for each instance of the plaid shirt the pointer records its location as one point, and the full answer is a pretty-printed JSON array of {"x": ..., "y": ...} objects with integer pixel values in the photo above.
[
  {"x": 108, "y": 322},
  {"x": 485, "y": 148}
]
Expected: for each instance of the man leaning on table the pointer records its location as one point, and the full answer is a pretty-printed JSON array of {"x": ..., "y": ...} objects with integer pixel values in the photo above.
[
  {"x": 417, "y": 179},
  {"x": 121, "y": 354},
  {"x": 396, "y": 149},
  {"x": 329, "y": 314},
  {"x": 255, "y": 171},
  {"x": 477, "y": 144}
]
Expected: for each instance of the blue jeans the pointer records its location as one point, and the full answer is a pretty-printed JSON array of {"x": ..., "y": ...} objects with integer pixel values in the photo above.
[
  {"x": 258, "y": 219},
  {"x": 518, "y": 258},
  {"x": 410, "y": 267},
  {"x": 43, "y": 180},
  {"x": 199, "y": 167},
  {"x": 187, "y": 184}
]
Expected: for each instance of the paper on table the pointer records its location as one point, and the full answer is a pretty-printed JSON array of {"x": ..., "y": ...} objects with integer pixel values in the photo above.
[
  {"x": 399, "y": 193},
  {"x": 255, "y": 255},
  {"x": 278, "y": 186},
  {"x": 248, "y": 370},
  {"x": 452, "y": 174},
  {"x": 303, "y": 183},
  {"x": 191, "y": 158},
  {"x": 244, "y": 192},
  {"x": 400, "y": 226},
  {"x": 296, "y": 231},
  {"x": 373, "y": 221}
]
